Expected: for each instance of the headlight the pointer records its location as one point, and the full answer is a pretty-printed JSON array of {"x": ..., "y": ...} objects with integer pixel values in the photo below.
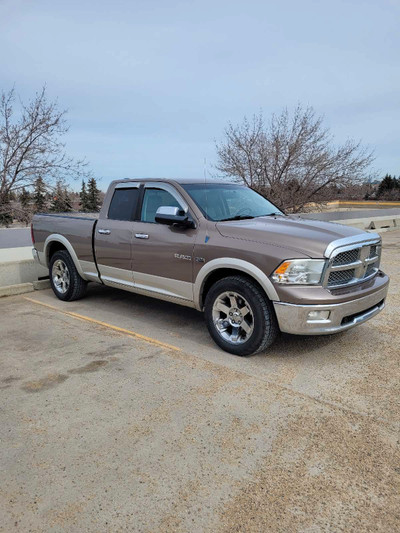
[{"x": 299, "y": 271}]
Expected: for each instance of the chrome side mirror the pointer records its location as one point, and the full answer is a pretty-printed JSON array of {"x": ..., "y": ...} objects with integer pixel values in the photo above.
[{"x": 169, "y": 215}]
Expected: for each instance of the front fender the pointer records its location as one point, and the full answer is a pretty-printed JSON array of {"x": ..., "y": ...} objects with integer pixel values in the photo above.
[{"x": 236, "y": 264}]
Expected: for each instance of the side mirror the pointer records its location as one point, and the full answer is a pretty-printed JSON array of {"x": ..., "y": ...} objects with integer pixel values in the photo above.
[{"x": 170, "y": 216}]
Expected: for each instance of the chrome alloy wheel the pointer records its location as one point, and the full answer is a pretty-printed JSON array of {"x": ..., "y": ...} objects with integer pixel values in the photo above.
[
  {"x": 233, "y": 317},
  {"x": 60, "y": 275}
]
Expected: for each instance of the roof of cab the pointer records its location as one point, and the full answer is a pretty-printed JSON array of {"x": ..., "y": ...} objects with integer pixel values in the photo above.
[{"x": 181, "y": 181}]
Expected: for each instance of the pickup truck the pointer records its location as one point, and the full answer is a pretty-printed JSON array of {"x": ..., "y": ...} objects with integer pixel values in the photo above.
[{"x": 220, "y": 248}]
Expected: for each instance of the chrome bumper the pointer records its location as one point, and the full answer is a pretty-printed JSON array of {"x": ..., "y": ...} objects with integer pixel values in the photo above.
[{"x": 294, "y": 318}]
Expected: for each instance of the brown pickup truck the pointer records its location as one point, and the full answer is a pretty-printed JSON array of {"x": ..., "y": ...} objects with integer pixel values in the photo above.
[{"x": 222, "y": 249}]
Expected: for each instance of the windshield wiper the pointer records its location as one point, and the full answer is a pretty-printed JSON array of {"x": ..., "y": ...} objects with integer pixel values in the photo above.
[
  {"x": 272, "y": 215},
  {"x": 237, "y": 217}
]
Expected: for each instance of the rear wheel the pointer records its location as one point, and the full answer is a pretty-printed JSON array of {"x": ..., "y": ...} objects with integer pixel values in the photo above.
[
  {"x": 65, "y": 280},
  {"x": 239, "y": 316}
]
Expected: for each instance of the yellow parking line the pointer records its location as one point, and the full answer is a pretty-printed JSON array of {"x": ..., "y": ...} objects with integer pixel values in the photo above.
[{"x": 106, "y": 325}]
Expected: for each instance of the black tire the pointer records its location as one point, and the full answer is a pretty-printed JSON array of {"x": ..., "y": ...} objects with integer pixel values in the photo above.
[
  {"x": 263, "y": 320},
  {"x": 76, "y": 287}
]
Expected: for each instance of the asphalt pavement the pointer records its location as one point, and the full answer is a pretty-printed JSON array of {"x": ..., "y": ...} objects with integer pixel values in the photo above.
[{"x": 15, "y": 237}]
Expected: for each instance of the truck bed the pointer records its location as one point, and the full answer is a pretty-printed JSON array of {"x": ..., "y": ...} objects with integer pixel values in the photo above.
[{"x": 77, "y": 228}]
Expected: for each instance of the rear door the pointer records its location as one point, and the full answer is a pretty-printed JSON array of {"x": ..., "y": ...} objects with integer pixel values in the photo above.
[
  {"x": 162, "y": 256},
  {"x": 113, "y": 237}
]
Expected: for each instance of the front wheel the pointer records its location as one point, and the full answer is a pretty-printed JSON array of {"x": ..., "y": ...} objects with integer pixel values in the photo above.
[
  {"x": 65, "y": 280},
  {"x": 239, "y": 317}
]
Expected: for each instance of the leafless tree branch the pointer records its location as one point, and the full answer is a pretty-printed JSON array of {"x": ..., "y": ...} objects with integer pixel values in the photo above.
[
  {"x": 30, "y": 144},
  {"x": 292, "y": 159}
]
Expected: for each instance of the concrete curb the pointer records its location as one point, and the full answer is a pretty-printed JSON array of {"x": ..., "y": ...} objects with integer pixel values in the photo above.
[{"x": 21, "y": 288}]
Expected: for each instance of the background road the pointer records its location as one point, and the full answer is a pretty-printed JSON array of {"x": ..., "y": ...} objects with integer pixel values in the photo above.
[
  {"x": 15, "y": 237},
  {"x": 105, "y": 430}
]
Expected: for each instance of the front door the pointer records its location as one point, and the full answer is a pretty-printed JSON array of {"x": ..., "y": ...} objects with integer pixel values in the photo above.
[
  {"x": 113, "y": 237},
  {"x": 162, "y": 256}
]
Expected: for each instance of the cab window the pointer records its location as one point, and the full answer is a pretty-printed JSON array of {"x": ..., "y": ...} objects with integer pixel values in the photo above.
[
  {"x": 123, "y": 204},
  {"x": 152, "y": 200}
]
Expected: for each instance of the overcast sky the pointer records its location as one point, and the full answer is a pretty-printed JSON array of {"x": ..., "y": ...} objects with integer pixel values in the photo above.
[{"x": 151, "y": 84}]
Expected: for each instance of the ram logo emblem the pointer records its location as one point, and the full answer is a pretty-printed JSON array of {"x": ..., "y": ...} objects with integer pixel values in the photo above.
[{"x": 181, "y": 256}]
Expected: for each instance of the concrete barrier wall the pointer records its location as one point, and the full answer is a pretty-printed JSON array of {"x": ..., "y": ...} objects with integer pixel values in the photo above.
[
  {"x": 377, "y": 223},
  {"x": 354, "y": 204},
  {"x": 15, "y": 272}
]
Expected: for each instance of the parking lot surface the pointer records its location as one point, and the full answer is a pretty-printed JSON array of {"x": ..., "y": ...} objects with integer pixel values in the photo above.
[{"x": 118, "y": 413}]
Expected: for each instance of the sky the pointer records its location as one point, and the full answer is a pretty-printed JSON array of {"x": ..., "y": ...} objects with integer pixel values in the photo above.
[{"x": 151, "y": 85}]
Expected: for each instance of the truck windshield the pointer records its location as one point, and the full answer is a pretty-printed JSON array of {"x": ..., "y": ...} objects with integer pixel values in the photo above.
[{"x": 219, "y": 201}]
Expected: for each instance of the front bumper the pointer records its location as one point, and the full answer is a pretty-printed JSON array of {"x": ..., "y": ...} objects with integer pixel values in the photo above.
[{"x": 293, "y": 318}]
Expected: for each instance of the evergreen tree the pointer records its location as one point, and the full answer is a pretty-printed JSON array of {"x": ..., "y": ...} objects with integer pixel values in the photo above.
[
  {"x": 389, "y": 188},
  {"x": 24, "y": 198},
  {"x": 61, "y": 201},
  {"x": 93, "y": 196},
  {"x": 57, "y": 199},
  {"x": 83, "y": 197},
  {"x": 39, "y": 195},
  {"x": 67, "y": 200}
]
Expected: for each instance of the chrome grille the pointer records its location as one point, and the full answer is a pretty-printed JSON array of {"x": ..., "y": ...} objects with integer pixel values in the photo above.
[
  {"x": 340, "y": 277},
  {"x": 344, "y": 258},
  {"x": 353, "y": 264},
  {"x": 372, "y": 269},
  {"x": 373, "y": 251}
]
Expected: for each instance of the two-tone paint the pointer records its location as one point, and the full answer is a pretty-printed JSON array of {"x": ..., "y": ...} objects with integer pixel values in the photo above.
[{"x": 179, "y": 264}]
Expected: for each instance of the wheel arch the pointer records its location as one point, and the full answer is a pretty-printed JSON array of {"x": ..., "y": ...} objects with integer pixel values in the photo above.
[
  {"x": 57, "y": 242},
  {"x": 220, "y": 268}
]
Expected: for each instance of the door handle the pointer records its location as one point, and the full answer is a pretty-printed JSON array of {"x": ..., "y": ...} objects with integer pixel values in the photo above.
[
  {"x": 104, "y": 231},
  {"x": 141, "y": 235}
]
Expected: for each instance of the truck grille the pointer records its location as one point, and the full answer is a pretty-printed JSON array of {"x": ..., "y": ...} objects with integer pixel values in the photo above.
[
  {"x": 352, "y": 265},
  {"x": 372, "y": 269},
  {"x": 373, "y": 251},
  {"x": 344, "y": 258},
  {"x": 340, "y": 277}
]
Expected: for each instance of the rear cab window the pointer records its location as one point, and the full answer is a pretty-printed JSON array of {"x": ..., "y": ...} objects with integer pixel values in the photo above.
[{"x": 123, "y": 204}]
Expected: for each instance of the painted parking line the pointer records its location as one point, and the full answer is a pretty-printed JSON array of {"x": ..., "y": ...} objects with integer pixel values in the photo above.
[{"x": 124, "y": 331}]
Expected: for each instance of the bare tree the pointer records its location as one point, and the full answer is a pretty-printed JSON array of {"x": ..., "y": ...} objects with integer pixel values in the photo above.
[
  {"x": 30, "y": 145},
  {"x": 292, "y": 159}
]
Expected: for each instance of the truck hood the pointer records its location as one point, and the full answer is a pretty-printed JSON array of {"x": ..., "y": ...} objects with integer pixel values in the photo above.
[{"x": 309, "y": 237}]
